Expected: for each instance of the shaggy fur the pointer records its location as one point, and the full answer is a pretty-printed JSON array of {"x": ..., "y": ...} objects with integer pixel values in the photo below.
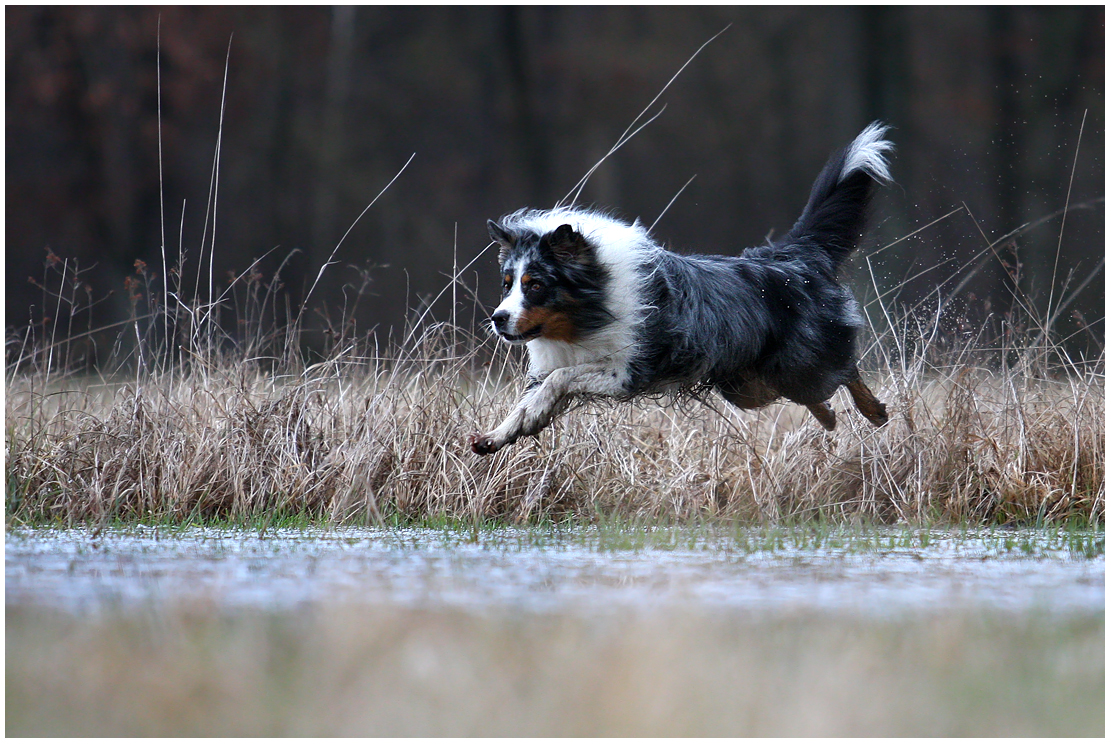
[{"x": 605, "y": 310}]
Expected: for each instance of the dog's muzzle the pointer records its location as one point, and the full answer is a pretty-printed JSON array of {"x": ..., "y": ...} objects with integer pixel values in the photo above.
[{"x": 500, "y": 322}]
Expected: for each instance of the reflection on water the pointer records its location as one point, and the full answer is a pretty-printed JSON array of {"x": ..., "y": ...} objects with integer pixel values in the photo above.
[{"x": 515, "y": 570}]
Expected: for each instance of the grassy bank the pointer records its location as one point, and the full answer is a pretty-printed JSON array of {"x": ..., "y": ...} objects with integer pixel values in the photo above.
[
  {"x": 975, "y": 437},
  {"x": 381, "y": 671}
]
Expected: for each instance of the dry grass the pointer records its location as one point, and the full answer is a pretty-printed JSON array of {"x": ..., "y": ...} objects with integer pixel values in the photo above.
[
  {"x": 381, "y": 671},
  {"x": 361, "y": 438}
]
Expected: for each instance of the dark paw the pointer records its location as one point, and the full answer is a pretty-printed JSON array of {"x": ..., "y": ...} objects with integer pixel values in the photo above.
[
  {"x": 825, "y": 415},
  {"x": 877, "y": 414},
  {"x": 868, "y": 405},
  {"x": 481, "y": 444}
]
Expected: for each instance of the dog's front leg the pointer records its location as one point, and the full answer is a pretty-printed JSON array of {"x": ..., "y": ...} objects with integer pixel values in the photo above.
[
  {"x": 541, "y": 404},
  {"x": 515, "y": 426}
]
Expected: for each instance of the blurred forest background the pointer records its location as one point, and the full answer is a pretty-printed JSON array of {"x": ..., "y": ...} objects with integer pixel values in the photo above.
[{"x": 506, "y": 107}]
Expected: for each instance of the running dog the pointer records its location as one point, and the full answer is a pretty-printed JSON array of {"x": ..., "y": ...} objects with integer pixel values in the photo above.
[{"x": 606, "y": 311}]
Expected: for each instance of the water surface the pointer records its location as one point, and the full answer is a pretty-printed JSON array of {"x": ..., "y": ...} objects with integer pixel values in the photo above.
[{"x": 530, "y": 571}]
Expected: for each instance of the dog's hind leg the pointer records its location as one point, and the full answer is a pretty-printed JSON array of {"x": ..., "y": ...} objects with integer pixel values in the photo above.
[
  {"x": 866, "y": 403},
  {"x": 825, "y": 415}
]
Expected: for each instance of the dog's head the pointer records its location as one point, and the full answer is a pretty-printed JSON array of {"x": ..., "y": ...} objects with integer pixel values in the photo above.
[{"x": 552, "y": 285}]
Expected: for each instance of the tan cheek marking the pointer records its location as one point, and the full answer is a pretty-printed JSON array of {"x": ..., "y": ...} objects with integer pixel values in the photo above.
[
  {"x": 557, "y": 326},
  {"x": 560, "y": 328},
  {"x": 531, "y": 318}
]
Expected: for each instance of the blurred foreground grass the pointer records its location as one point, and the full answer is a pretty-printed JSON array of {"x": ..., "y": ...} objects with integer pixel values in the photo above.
[{"x": 381, "y": 671}]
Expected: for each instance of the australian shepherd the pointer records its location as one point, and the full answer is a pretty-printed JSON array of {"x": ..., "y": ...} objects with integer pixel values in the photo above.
[{"x": 606, "y": 311}]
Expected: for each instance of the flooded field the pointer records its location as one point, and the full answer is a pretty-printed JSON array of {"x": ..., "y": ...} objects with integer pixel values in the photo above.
[
  {"x": 547, "y": 632},
  {"x": 578, "y": 570}
]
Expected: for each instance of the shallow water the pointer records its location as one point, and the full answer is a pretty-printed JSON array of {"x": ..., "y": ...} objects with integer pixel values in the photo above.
[{"x": 532, "y": 572}]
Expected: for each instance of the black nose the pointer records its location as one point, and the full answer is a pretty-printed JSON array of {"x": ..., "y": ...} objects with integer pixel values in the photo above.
[{"x": 499, "y": 319}]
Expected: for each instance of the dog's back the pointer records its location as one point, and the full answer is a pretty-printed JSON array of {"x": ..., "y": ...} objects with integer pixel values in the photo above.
[{"x": 774, "y": 321}]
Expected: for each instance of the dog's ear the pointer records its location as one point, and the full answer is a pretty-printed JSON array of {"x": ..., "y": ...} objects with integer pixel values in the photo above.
[
  {"x": 501, "y": 236},
  {"x": 498, "y": 234},
  {"x": 568, "y": 246}
]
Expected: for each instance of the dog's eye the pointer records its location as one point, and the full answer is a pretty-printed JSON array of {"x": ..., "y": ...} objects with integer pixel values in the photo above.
[{"x": 534, "y": 288}]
